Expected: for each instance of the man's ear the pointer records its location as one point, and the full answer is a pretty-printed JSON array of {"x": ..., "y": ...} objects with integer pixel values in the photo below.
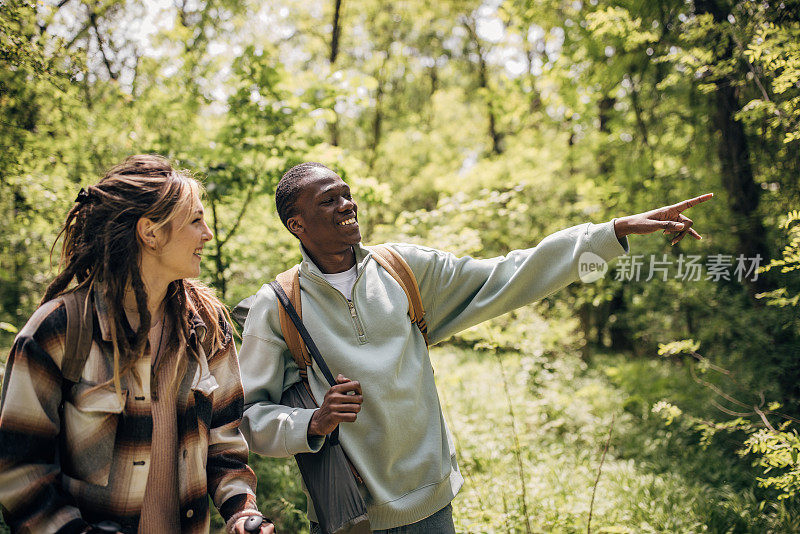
[
  {"x": 145, "y": 229},
  {"x": 295, "y": 225}
]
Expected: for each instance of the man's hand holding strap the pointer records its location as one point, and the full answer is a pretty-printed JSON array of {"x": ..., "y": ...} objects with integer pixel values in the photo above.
[{"x": 341, "y": 404}]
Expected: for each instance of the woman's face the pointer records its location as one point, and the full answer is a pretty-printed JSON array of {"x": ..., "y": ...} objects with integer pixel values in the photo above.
[{"x": 181, "y": 248}]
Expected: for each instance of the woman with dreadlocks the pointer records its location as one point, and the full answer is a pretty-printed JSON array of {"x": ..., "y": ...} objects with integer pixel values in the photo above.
[{"x": 130, "y": 429}]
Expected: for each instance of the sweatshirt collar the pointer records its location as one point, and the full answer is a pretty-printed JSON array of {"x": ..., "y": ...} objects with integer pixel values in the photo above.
[{"x": 309, "y": 267}]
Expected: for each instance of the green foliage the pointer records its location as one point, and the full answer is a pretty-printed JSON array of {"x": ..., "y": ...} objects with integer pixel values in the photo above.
[
  {"x": 789, "y": 262},
  {"x": 654, "y": 479},
  {"x": 679, "y": 436},
  {"x": 475, "y": 127},
  {"x": 774, "y": 49},
  {"x": 777, "y": 451},
  {"x": 280, "y": 496}
]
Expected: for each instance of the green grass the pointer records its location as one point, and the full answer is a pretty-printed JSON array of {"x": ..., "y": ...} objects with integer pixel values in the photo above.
[{"x": 654, "y": 478}]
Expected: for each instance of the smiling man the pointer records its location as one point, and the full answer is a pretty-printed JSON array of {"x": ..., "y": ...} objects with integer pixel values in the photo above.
[{"x": 393, "y": 429}]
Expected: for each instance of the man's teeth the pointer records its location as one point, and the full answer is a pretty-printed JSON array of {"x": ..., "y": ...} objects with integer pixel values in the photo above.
[{"x": 351, "y": 220}]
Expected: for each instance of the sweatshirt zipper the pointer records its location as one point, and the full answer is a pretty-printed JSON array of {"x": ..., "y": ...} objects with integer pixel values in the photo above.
[
  {"x": 357, "y": 324},
  {"x": 361, "y": 339}
]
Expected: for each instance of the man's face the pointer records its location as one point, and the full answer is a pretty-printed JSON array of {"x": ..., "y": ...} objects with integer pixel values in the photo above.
[{"x": 326, "y": 220}]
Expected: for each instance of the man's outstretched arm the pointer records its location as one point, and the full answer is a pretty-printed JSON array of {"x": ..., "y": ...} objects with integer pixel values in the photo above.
[{"x": 461, "y": 292}]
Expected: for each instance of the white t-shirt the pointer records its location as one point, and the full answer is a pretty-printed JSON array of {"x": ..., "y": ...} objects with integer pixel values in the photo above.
[{"x": 343, "y": 281}]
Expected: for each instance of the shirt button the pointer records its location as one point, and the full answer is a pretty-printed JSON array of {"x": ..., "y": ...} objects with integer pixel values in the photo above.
[{"x": 189, "y": 513}]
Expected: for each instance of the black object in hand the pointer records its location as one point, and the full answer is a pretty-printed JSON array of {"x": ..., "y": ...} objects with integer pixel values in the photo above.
[{"x": 253, "y": 523}]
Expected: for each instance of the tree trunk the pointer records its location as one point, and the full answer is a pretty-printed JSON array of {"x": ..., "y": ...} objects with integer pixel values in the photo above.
[
  {"x": 335, "y": 35},
  {"x": 605, "y": 106},
  {"x": 737, "y": 176},
  {"x": 585, "y": 312},
  {"x": 219, "y": 264},
  {"x": 618, "y": 333},
  {"x": 377, "y": 121},
  {"x": 535, "y": 102},
  {"x": 100, "y": 44},
  {"x": 483, "y": 83},
  {"x": 734, "y": 155}
]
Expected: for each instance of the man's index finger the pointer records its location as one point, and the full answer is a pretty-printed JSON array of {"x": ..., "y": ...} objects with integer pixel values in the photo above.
[{"x": 686, "y": 204}]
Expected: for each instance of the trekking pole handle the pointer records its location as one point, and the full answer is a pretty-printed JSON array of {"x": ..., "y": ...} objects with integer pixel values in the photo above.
[
  {"x": 106, "y": 526},
  {"x": 253, "y": 523}
]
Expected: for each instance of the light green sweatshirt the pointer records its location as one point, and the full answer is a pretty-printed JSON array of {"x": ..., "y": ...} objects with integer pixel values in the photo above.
[{"x": 400, "y": 443}]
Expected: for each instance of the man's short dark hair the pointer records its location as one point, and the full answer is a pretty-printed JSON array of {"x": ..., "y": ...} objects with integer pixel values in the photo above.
[{"x": 290, "y": 186}]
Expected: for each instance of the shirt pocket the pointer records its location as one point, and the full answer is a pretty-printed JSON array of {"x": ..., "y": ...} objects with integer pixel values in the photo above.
[
  {"x": 89, "y": 428},
  {"x": 203, "y": 386},
  {"x": 203, "y": 405}
]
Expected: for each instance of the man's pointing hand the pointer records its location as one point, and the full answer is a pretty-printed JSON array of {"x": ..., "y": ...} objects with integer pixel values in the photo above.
[
  {"x": 341, "y": 404},
  {"x": 669, "y": 219}
]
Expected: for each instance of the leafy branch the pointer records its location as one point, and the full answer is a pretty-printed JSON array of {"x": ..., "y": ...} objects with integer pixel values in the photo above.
[{"x": 776, "y": 446}]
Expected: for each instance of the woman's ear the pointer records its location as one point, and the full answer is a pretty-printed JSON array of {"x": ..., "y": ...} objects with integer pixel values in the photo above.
[{"x": 145, "y": 229}]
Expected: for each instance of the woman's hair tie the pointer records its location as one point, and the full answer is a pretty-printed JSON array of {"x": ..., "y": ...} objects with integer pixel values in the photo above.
[{"x": 83, "y": 197}]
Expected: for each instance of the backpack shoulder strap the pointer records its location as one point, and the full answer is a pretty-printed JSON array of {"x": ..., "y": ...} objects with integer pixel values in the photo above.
[
  {"x": 78, "y": 342},
  {"x": 290, "y": 282},
  {"x": 396, "y": 266}
]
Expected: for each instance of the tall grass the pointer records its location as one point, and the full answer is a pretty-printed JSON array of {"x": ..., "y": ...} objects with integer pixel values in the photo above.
[{"x": 654, "y": 478}]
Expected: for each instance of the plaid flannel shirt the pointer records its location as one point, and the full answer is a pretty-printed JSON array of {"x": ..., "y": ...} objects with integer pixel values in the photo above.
[{"x": 66, "y": 462}]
